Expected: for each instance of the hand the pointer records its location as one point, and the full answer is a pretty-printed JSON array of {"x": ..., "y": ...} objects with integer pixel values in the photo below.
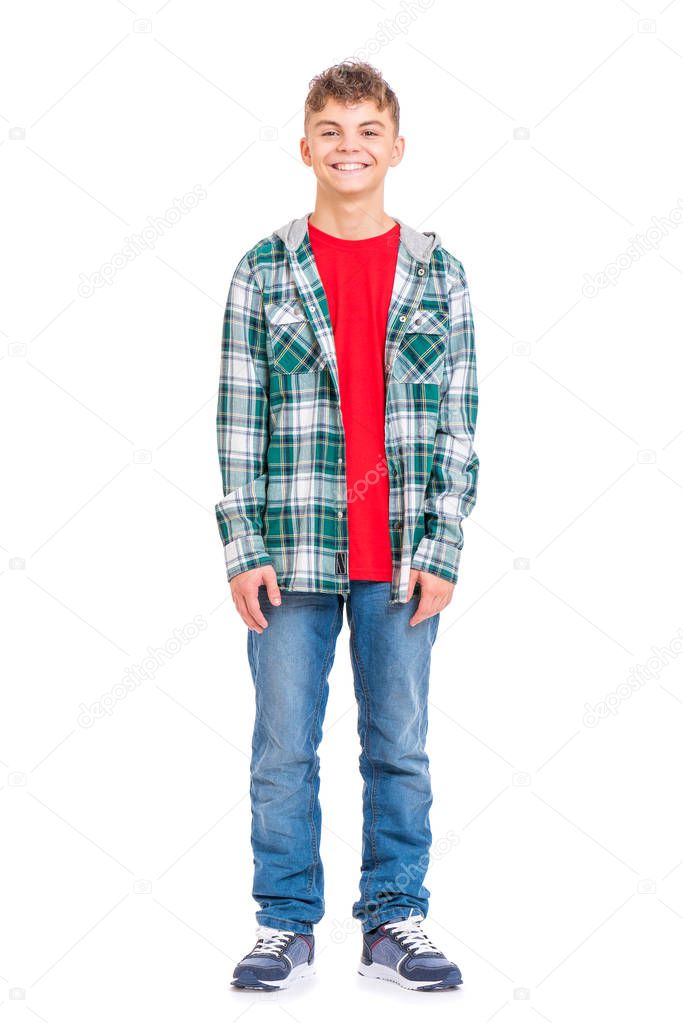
[
  {"x": 245, "y": 588},
  {"x": 435, "y": 594}
]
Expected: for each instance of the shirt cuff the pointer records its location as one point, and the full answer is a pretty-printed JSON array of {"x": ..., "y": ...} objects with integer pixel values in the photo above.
[
  {"x": 437, "y": 558},
  {"x": 245, "y": 553}
]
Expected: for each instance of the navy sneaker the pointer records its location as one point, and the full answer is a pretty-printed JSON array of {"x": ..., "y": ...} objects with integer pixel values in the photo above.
[
  {"x": 277, "y": 958},
  {"x": 400, "y": 951}
]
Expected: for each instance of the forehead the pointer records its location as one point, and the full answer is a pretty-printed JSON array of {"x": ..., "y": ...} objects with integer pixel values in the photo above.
[{"x": 351, "y": 113}]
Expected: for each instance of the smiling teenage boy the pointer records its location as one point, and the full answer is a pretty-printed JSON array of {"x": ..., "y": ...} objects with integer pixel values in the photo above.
[{"x": 346, "y": 418}]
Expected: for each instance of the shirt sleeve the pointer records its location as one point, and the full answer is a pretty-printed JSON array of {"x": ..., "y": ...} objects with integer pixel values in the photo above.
[
  {"x": 452, "y": 489},
  {"x": 242, "y": 423}
]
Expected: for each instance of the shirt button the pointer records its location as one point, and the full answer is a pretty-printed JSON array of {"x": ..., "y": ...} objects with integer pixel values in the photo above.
[
  {"x": 403, "y": 319},
  {"x": 339, "y": 461},
  {"x": 420, "y": 271},
  {"x": 340, "y": 515}
]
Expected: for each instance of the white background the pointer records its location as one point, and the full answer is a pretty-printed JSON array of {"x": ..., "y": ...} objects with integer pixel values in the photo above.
[{"x": 541, "y": 139}]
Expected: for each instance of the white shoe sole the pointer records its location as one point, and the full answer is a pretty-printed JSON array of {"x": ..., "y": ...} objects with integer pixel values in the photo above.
[
  {"x": 300, "y": 972},
  {"x": 379, "y": 972}
]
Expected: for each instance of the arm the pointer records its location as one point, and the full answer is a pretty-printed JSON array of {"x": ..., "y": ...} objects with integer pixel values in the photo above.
[
  {"x": 452, "y": 488},
  {"x": 242, "y": 423}
]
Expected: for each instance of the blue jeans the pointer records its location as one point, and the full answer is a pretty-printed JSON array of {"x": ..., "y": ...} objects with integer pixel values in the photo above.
[{"x": 290, "y": 663}]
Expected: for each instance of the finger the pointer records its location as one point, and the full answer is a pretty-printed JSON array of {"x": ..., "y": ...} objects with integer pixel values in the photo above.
[
  {"x": 247, "y": 615},
  {"x": 253, "y": 608},
  {"x": 421, "y": 612}
]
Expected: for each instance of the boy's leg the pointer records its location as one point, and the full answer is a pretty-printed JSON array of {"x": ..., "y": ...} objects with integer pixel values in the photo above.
[
  {"x": 290, "y": 662},
  {"x": 391, "y": 662}
]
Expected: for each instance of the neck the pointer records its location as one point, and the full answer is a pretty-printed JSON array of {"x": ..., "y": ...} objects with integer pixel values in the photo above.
[{"x": 351, "y": 218}]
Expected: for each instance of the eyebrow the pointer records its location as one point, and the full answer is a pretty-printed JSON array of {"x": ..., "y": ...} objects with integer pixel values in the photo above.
[{"x": 336, "y": 124}]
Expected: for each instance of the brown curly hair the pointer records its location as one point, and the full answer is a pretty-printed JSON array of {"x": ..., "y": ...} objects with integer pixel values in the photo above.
[{"x": 350, "y": 82}]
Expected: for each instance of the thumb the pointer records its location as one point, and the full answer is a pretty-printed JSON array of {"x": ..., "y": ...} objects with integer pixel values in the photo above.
[{"x": 270, "y": 580}]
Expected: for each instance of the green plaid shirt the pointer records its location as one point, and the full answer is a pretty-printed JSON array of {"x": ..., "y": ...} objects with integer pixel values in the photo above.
[{"x": 281, "y": 441}]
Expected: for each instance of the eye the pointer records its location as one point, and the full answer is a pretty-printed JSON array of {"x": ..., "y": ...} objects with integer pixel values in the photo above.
[{"x": 333, "y": 131}]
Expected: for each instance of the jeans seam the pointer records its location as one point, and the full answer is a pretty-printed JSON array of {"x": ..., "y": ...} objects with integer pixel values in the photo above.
[
  {"x": 311, "y": 822},
  {"x": 373, "y": 844}
]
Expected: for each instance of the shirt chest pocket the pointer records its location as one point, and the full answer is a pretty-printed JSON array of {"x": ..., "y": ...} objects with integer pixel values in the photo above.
[
  {"x": 422, "y": 348},
  {"x": 294, "y": 345}
]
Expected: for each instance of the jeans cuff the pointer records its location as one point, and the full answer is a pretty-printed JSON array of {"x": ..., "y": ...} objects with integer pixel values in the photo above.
[{"x": 284, "y": 925}]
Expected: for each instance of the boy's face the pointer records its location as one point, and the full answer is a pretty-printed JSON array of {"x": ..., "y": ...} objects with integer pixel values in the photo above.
[{"x": 354, "y": 134}]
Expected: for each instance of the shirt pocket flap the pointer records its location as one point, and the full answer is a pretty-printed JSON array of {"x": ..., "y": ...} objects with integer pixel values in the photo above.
[
  {"x": 291, "y": 311},
  {"x": 427, "y": 321}
]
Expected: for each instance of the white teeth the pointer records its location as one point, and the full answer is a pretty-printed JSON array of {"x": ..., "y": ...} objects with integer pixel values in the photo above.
[{"x": 349, "y": 166}]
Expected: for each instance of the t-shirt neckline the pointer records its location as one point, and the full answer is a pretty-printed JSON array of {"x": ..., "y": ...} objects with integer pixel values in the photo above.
[{"x": 352, "y": 243}]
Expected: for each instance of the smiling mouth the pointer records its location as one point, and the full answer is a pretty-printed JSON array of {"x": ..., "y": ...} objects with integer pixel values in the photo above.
[{"x": 349, "y": 167}]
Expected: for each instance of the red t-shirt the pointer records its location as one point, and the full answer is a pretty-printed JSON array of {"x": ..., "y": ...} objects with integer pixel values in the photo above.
[{"x": 358, "y": 278}]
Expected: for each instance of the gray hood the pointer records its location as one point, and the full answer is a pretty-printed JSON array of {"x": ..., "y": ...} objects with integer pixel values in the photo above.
[{"x": 420, "y": 244}]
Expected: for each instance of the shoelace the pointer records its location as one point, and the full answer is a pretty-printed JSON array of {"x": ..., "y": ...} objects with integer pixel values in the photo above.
[
  {"x": 410, "y": 930},
  {"x": 270, "y": 940}
]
